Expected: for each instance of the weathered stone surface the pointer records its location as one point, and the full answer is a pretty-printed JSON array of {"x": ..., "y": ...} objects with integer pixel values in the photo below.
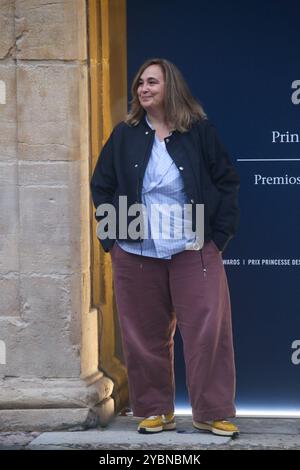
[
  {"x": 16, "y": 440},
  {"x": 9, "y": 254},
  {"x": 9, "y": 213},
  {"x": 9, "y": 223},
  {"x": 49, "y": 230},
  {"x": 48, "y": 332},
  {"x": 105, "y": 411},
  {"x": 9, "y": 288},
  {"x": 51, "y": 30},
  {"x": 51, "y": 112},
  {"x": 8, "y": 125},
  {"x": 36, "y": 393},
  {"x": 49, "y": 173},
  {"x": 7, "y": 28},
  {"x": 47, "y": 419},
  {"x": 49, "y": 404}
]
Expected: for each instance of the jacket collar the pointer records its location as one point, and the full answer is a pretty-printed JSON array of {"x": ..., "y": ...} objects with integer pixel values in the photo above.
[{"x": 145, "y": 124}]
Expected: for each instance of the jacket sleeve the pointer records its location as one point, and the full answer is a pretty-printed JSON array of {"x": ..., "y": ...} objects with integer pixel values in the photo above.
[
  {"x": 104, "y": 181},
  {"x": 227, "y": 182}
]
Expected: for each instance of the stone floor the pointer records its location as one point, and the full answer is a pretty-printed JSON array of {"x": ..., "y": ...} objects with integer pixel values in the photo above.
[{"x": 255, "y": 433}]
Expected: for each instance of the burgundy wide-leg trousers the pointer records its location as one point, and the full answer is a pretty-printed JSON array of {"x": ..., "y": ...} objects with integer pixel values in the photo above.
[{"x": 152, "y": 295}]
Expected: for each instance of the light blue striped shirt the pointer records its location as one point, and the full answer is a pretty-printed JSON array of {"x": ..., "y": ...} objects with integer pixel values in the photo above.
[{"x": 163, "y": 184}]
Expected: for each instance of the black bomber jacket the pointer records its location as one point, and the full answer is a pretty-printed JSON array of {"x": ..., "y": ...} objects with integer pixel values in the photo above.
[{"x": 208, "y": 174}]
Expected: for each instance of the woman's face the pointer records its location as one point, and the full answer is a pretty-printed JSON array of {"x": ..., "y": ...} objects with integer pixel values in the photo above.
[{"x": 151, "y": 88}]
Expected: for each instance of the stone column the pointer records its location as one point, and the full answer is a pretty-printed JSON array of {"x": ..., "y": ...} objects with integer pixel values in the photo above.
[{"x": 49, "y": 376}]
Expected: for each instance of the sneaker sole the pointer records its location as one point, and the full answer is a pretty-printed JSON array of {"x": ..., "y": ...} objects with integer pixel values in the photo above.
[
  {"x": 165, "y": 427},
  {"x": 217, "y": 432}
]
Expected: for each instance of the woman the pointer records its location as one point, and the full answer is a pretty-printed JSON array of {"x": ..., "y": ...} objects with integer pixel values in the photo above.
[{"x": 167, "y": 152}]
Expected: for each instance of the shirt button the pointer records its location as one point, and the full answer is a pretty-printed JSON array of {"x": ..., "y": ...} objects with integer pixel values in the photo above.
[
  {"x": 167, "y": 140},
  {"x": 135, "y": 165},
  {"x": 181, "y": 168},
  {"x": 147, "y": 132},
  {"x": 192, "y": 201}
]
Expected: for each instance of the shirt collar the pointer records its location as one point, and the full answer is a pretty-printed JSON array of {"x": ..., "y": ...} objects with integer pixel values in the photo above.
[{"x": 148, "y": 122}]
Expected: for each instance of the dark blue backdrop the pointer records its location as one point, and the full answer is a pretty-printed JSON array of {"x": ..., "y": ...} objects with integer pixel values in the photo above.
[{"x": 240, "y": 59}]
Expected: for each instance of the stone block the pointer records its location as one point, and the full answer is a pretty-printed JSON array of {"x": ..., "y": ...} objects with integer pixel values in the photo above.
[
  {"x": 38, "y": 348},
  {"x": 52, "y": 114},
  {"x": 49, "y": 230},
  {"x": 51, "y": 30},
  {"x": 56, "y": 308},
  {"x": 47, "y": 419},
  {"x": 51, "y": 393},
  {"x": 7, "y": 28}
]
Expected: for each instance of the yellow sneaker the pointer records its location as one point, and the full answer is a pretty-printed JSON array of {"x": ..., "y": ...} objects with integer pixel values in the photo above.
[
  {"x": 221, "y": 428},
  {"x": 157, "y": 423}
]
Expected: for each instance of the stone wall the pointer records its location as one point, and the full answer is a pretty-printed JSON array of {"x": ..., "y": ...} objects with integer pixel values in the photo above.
[{"x": 44, "y": 190}]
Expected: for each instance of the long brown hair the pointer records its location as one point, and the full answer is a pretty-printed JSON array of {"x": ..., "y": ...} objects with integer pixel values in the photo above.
[{"x": 181, "y": 108}]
